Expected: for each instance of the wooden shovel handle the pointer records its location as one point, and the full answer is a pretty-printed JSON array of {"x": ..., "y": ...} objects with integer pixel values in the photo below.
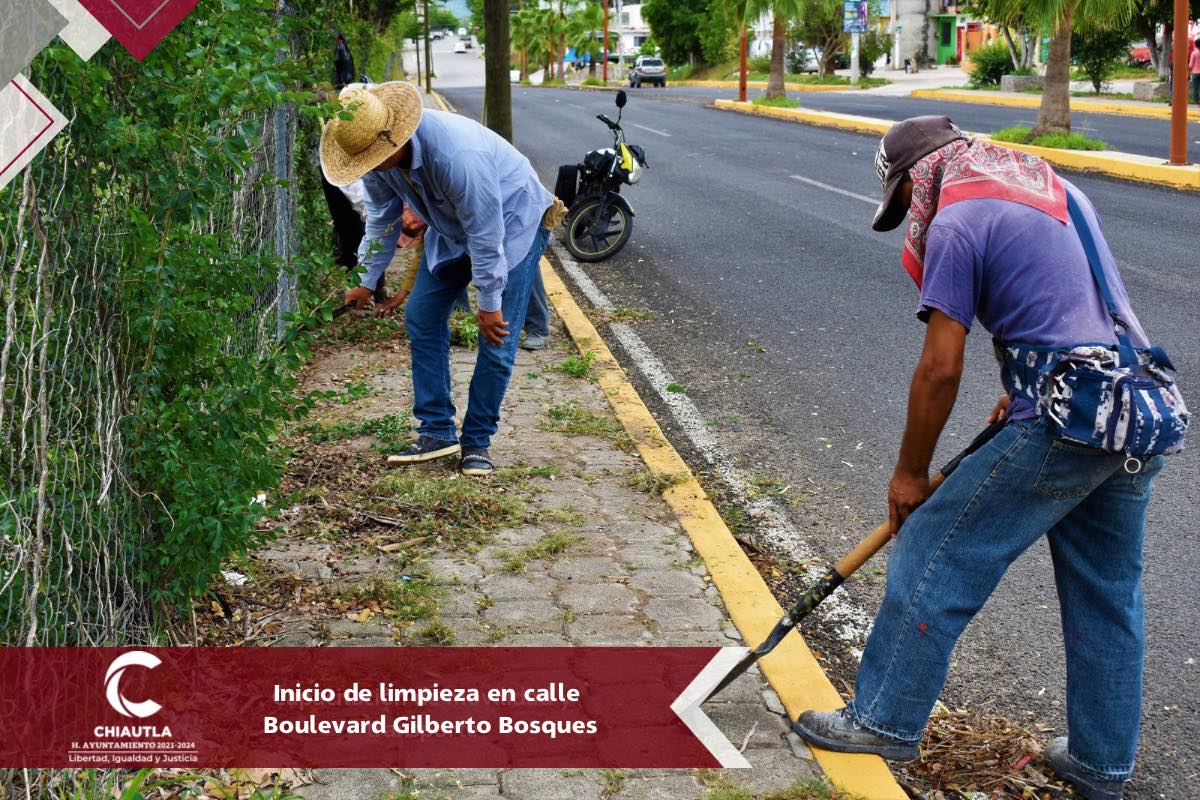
[{"x": 848, "y": 564}]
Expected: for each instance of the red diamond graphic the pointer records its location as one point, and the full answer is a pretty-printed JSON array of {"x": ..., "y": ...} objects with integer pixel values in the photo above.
[{"x": 139, "y": 25}]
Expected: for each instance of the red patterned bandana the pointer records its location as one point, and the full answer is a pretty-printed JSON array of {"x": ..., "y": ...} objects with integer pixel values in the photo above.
[{"x": 970, "y": 169}]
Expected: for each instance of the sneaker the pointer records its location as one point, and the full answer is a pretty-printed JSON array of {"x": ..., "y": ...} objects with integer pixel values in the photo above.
[
  {"x": 535, "y": 341},
  {"x": 425, "y": 448},
  {"x": 1067, "y": 768},
  {"x": 476, "y": 461},
  {"x": 835, "y": 730}
]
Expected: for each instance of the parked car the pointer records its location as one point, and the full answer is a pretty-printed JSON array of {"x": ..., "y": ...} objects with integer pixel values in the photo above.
[
  {"x": 648, "y": 69},
  {"x": 803, "y": 59},
  {"x": 437, "y": 35},
  {"x": 1139, "y": 53},
  {"x": 460, "y": 47}
]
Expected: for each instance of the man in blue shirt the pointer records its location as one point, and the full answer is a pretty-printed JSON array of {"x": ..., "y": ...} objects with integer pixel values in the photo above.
[{"x": 484, "y": 206}]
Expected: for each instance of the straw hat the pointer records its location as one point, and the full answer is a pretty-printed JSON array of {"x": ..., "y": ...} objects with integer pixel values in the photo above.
[{"x": 384, "y": 119}]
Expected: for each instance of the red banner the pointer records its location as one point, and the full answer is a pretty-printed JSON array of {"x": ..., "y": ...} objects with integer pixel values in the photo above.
[{"x": 348, "y": 707}]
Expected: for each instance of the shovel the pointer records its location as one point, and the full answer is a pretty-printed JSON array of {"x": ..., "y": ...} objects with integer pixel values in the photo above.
[{"x": 843, "y": 569}]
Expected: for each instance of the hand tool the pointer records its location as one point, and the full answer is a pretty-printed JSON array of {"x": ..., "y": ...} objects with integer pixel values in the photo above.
[{"x": 843, "y": 569}]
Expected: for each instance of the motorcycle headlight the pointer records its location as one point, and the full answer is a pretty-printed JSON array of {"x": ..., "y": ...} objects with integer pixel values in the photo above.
[{"x": 635, "y": 174}]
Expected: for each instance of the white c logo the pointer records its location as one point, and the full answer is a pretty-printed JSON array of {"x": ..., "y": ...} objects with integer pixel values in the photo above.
[{"x": 112, "y": 680}]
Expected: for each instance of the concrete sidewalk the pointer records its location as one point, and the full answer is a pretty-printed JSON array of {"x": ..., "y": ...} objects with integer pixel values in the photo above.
[{"x": 569, "y": 544}]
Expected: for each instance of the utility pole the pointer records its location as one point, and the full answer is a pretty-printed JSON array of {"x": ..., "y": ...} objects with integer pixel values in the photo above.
[
  {"x": 497, "y": 91},
  {"x": 428, "y": 54},
  {"x": 854, "y": 44},
  {"x": 1179, "y": 143},
  {"x": 742, "y": 66},
  {"x": 895, "y": 34},
  {"x": 604, "y": 69}
]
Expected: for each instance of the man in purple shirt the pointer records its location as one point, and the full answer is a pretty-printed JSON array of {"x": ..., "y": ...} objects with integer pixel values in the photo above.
[{"x": 989, "y": 239}]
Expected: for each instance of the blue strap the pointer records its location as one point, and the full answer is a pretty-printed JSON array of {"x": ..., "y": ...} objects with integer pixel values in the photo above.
[{"x": 1124, "y": 345}]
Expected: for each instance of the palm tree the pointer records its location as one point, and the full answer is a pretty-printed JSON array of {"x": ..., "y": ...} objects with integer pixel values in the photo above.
[
  {"x": 585, "y": 33},
  {"x": 784, "y": 11},
  {"x": 1057, "y": 16},
  {"x": 525, "y": 29}
]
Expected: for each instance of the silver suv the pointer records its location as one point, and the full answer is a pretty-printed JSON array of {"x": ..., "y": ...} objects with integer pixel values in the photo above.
[{"x": 648, "y": 69}]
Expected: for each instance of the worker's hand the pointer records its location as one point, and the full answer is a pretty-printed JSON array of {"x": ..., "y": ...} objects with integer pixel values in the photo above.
[
  {"x": 905, "y": 493},
  {"x": 492, "y": 326},
  {"x": 391, "y": 304},
  {"x": 1000, "y": 411},
  {"x": 360, "y": 296}
]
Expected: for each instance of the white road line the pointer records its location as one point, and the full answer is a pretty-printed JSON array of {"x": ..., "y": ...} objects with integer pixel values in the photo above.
[
  {"x": 652, "y": 130},
  {"x": 576, "y": 105},
  {"x": 839, "y": 613},
  {"x": 872, "y": 200}
]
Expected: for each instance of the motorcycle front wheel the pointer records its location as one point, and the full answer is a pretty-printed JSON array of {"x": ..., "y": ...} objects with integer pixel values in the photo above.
[{"x": 589, "y": 239}]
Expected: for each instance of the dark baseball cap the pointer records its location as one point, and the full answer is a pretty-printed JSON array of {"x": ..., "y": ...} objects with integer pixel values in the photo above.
[{"x": 905, "y": 144}]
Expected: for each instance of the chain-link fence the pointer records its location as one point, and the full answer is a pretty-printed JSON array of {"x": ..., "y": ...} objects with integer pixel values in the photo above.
[{"x": 71, "y": 525}]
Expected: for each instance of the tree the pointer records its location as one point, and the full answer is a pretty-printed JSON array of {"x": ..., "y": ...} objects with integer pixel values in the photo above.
[
  {"x": 1057, "y": 16},
  {"x": 585, "y": 33},
  {"x": 1098, "y": 52},
  {"x": 820, "y": 27},
  {"x": 1147, "y": 17},
  {"x": 675, "y": 25},
  {"x": 783, "y": 12},
  {"x": 497, "y": 92}
]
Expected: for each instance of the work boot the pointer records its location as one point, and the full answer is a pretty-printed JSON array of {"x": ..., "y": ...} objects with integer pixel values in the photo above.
[
  {"x": 476, "y": 461},
  {"x": 425, "y": 448},
  {"x": 836, "y": 730},
  {"x": 1067, "y": 768},
  {"x": 535, "y": 341}
]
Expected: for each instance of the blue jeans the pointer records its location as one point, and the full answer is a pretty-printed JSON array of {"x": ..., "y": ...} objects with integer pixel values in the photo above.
[
  {"x": 427, "y": 317},
  {"x": 537, "y": 318},
  {"x": 953, "y": 550}
]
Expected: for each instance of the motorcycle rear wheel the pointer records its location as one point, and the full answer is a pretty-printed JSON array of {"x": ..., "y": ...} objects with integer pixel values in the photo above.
[{"x": 590, "y": 241}]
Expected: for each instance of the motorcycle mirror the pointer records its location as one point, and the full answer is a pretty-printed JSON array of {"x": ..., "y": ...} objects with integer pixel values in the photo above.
[{"x": 621, "y": 98}]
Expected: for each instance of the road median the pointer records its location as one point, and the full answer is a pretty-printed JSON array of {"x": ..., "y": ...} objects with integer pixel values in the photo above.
[
  {"x": 1128, "y": 108},
  {"x": 1128, "y": 166},
  {"x": 790, "y": 86}
]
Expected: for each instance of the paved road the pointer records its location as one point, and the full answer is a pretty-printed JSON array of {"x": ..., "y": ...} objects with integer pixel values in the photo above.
[
  {"x": 790, "y": 324},
  {"x": 1128, "y": 134}
]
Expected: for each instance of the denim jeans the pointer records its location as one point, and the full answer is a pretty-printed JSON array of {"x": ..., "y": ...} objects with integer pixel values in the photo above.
[
  {"x": 537, "y": 318},
  {"x": 953, "y": 550},
  {"x": 427, "y": 317}
]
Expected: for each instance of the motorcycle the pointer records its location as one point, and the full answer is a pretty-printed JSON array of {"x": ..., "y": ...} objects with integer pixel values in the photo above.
[{"x": 599, "y": 220}]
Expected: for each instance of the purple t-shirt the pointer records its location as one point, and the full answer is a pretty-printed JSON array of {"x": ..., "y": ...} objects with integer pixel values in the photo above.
[{"x": 1023, "y": 275}]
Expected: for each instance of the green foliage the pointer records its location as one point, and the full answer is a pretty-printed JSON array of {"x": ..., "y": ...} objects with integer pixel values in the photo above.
[
  {"x": 1062, "y": 141},
  {"x": 775, "y": 102},
  {"x": 464, "y": 329},
  {"x": 719, "y": 32},
  {"x": 989, "y": 64},
  {"x": 389, "y": 430},
  {"x": 159, "y": 199},
  {"x": 872, "y": 46},
  {"x": 1100, "y": 52},
  {"x": 675, "y": 25},
  {"x": 578, "y": 366},
  {"x": 819, "y": 25}
]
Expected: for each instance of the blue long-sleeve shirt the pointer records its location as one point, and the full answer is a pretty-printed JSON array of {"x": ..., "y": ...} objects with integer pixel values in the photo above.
[{"x": 476, "y": 191}]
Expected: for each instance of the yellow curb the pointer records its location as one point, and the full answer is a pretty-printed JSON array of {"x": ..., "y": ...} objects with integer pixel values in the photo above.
[
  {"x": 1108, "y": 162},
  {"x": 792, "y": 669},
  {"x": 791, "y": 87},
  {"x": 441, "y": 101},
  {"x": 1077, "y": 103}
]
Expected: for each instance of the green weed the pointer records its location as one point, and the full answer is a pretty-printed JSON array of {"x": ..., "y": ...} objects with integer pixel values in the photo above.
[
  {"x": 460, "y": 511},
  {"x": 403, "y": 600},
  {"x": 575, "y": 420},
  {"x": 464, "y": 329},
  {"x": 657, "y": 482},
  {"x": 578, "y": 366},
  {"x": 1060, "y": 141},
  {"x": 776, "y": 102},
  {"x": 389, "y": 430},
  {"x": 548, "y": 546}
]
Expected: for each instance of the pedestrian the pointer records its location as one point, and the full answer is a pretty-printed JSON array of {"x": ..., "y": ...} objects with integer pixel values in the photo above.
[
  {"x": 343, "y": 64},
  {"x": 1194, "y": 69},
  {"x": 482, "y": 200},
  {"x": 991, "y": 236}
]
